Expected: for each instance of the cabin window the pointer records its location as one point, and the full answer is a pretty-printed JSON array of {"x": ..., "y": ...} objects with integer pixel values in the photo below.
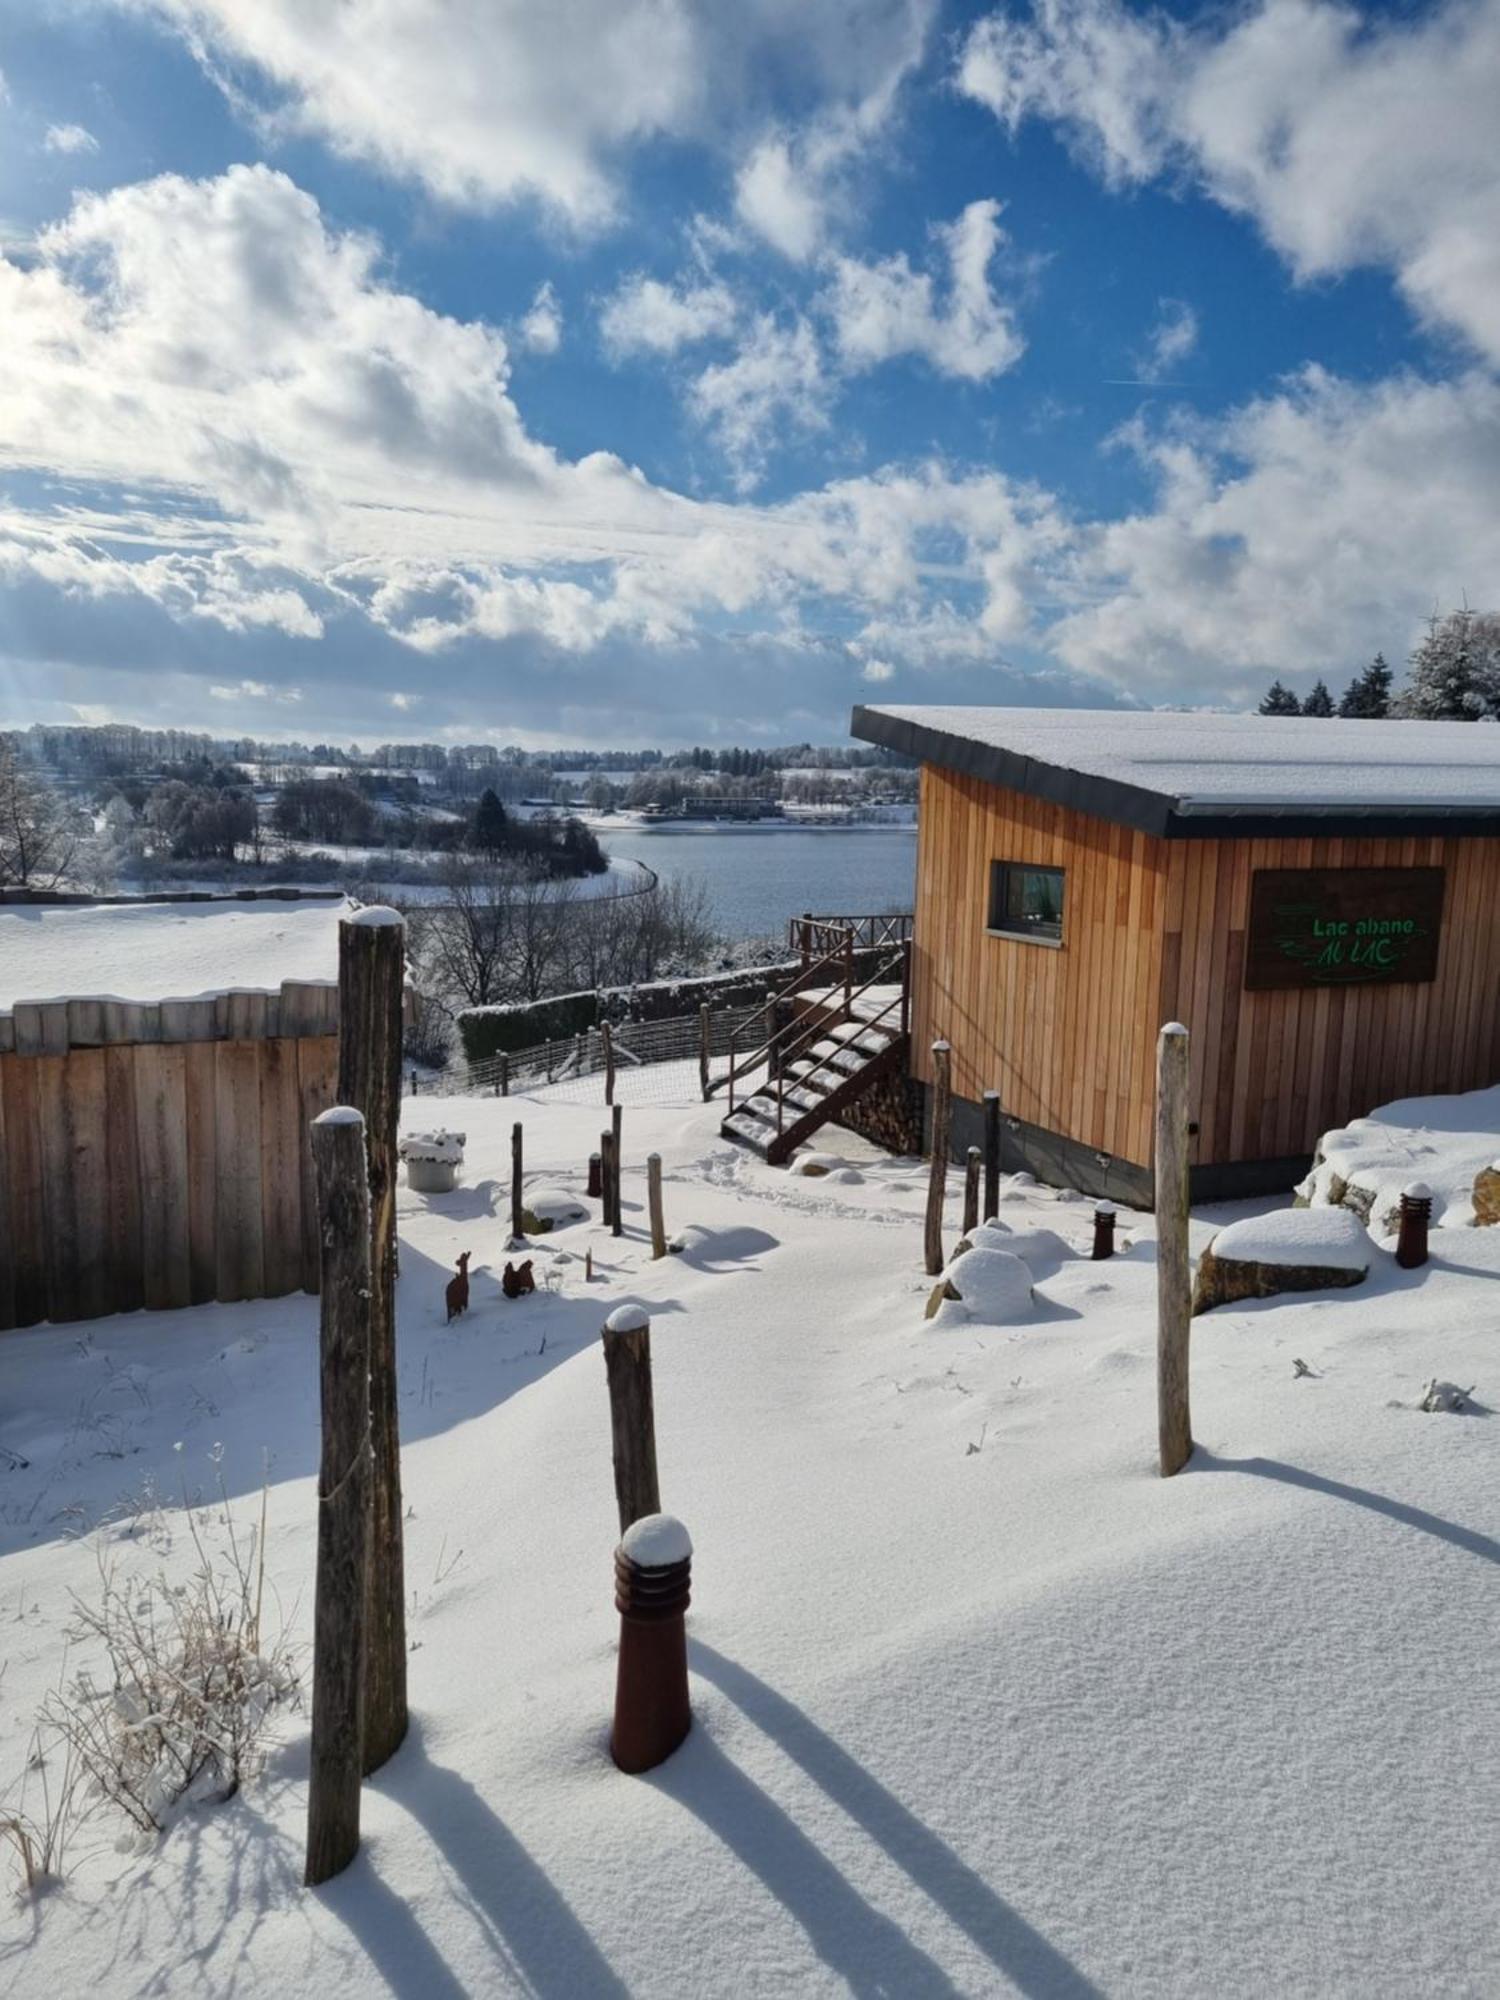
[{"x": 1026, "y": 902}]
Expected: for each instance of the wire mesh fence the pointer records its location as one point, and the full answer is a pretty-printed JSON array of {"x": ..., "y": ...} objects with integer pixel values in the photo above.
[{"x": 573, "y": 1067}]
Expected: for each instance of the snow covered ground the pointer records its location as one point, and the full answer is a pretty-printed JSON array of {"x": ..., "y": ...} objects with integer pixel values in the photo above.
[
  {"x": 982, "y": 1705},
  {"x": 163, "y": 951}
]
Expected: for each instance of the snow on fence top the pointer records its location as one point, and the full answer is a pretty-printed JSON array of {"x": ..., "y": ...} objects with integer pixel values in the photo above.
[
  {"x": 163, "y": 951},
  {"x": 1151, "y": 769}
]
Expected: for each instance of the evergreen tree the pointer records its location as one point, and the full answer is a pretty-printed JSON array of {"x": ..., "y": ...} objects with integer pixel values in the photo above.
[
  {"x": 1320, "y": 701},
  {"x": 1455, "y": 672},
  {"x": 1368, "y": 695},
  {"x": 489, "y": 829},
  {"x": 1280, "y": 700}
]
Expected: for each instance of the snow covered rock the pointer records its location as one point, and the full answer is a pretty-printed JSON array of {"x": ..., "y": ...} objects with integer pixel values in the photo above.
[
  {"x": 1294, "y": 1250},
  {"x": 546, "y": 1209},
  {"x": 1452, "y": 1143},
  {"x": 814, "y": 1165},
  {"x": 989, "y": 1285}
]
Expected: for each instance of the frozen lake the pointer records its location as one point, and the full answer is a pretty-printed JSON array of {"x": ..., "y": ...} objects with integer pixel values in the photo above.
[{"x": 756, "y": 880}]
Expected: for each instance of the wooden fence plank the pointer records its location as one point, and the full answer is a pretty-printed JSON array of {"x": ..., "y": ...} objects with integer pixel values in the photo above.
[
  {"x": 23, "y": 1167},
  {"x": 161, "y": 1115},
  {"x": 200, "y": 1078},
  {"x": 280, "y": 1168},
  {"x": 124, "y": 1275},
  {"x": 240, "y": 1262},
  {"x": 60, "y": 1229}
]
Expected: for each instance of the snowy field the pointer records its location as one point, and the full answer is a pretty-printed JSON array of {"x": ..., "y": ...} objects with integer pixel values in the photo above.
[
  {"x": 163, "y": 951},
  {"x": 982, "y": 1706}
]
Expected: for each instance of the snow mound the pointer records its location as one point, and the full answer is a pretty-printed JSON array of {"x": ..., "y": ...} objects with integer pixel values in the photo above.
[
  {"x": 992, "y": 1286},
  {"x": 1445, "y": 1141},
  {"x": 1040, "y": 1248},
  {"x": 1446, "y": 1396},
  {"x": 553, "y": 1207},
  {"x": 815, "y": 1165},
  {"x": 1331, "y": 1238}
]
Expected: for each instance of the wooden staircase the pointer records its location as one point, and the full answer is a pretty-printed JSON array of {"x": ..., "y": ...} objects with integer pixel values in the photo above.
[{"x": 825, "y": 1047}]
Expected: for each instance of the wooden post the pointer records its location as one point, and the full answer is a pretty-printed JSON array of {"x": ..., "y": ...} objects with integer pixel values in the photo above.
[
  {"x": 372, "y": 963},
  {"x": 595, "y": 1187},
  {"x": 1174, "y": 1277},
  {"x": 517, "y": 1175},
  {"x": 705, "y": 1033},
  {"x": 991, "y": 1155},
  {"x": 606, "y": 1036},
  {"x": 971, "y": 1189},
  {"x": 653, "y": 1197},
  {"x": 937, "y": 1179},
  {"x": 606, "y": 1178},
  {"x": 338, "y": 1150},
  {"x": 805, "y": 938},
  {"x": 616, "y": 1215},
  {"x": 848, "y": 969},
  {"x": 632, "y": 1413},
  {"x": 504, "y": 1074}
]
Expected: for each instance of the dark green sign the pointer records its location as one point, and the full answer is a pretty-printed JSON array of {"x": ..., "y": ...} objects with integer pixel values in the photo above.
[{"x": 1343, "y": 926}]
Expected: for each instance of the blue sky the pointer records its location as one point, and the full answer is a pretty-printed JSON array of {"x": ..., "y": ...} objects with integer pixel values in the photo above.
[{"x": 635, "y": 370}]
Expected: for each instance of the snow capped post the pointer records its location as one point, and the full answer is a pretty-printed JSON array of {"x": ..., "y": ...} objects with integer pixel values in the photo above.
[
  {"x": 653, "y": 1198},
  {"x": 632, "y": 1412},
  {"x": 653, "y": 1587},
  {"x": 606, "y": 1177},
  {"x": 1416, "y": 1218},
  {"x": 617, "y": 1159},
  {"x": 1174, "y": 1278},
  {"x": 1104, "y": 1230},
  {"x": 991, "y": 1155},
  {"x": 372, "y": 966},
  {"x": 937, "y": 1179},
  {"x": 517, "y": 1169},
  {"x": 344, "y": 1301},
  {"x": 595, "y": 1186},
  {"x": 971, "y": 1189},
  {"x": 607, "y": 1038},
  {"x": 705, "y": 1039}
]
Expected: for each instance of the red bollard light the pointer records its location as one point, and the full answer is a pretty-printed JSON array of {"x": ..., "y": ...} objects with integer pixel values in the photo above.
[
  {"x": 653, "y": 1575},
  {"x": 1104, "y": 1230},
  {"x": 1416, "y": 1217}
]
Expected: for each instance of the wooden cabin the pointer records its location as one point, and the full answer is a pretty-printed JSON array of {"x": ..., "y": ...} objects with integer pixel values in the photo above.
[{"x": 1319, "y": 902}]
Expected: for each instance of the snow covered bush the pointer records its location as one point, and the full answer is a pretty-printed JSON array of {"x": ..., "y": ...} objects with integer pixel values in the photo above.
[{"x": 179, "y": 1709}]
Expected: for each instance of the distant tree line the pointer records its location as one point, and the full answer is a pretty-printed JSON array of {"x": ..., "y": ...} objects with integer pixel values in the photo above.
[{"x": 1455, "y": 677}]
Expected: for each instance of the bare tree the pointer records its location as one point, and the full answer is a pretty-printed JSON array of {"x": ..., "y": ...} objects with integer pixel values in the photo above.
[{"x": 37, "y": 830}]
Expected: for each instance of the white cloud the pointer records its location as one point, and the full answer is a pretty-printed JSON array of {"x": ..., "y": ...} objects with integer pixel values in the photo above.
[
  {"x": 1300, "y": 534},
  {"x": 1349, "y": 140},
  {"x": 1169, "y": 343},
  {"x": 541, "y": 327},
  {"x": 242, "y": 691},
  {"x": 645, "y": 316},
  {"x": 887, "y": 308},
  {"x": 69, "y": 139},
  {"x": 775, "y": 380},
  {"x": 484, "y": 103},
  {"x": 780, "y": 199}
]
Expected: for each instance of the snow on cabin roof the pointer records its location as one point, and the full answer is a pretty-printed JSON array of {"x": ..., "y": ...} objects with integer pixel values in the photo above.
[
  {"x": 164, "y": 951},
  {"x": 1186, "y": 775}
]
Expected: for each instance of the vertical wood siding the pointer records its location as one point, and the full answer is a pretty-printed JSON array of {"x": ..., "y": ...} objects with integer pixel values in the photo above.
[
  {"x": 1154, "y": 930},
  {"x": 1056, "y": 1029},
  {"x": 168, "y": 1165}
]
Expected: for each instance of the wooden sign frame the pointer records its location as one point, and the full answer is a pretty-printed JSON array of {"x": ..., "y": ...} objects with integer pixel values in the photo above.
[{"x": 1343, "y": 927}]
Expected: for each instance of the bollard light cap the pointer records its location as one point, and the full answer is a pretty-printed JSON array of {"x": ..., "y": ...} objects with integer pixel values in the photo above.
[
  {"x": 1105, "y": 1208},
  {"x": 627, "y": 1319},
  {"x": 1417, "y": 1191},
  {"x": 655, "y": 1541}
]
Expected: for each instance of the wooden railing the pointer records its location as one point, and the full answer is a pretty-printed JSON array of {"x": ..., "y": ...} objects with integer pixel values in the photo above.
[{"x": 825, "y": 946}]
